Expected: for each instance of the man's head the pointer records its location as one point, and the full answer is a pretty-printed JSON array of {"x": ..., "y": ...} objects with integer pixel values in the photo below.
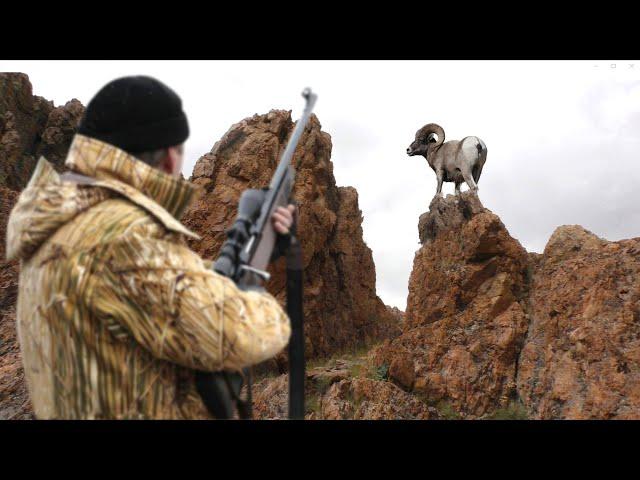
[{"x": 141, "y": 116}]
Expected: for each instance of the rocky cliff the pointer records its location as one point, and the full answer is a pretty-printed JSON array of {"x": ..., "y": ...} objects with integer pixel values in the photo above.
[
  {"x": 341, "y": 308},
  {"x": 492, "y": 330},
  {"x": 466, "y": 311},
  {"x": 31, "y": 126},
  {"x": 581, "y": 357}
]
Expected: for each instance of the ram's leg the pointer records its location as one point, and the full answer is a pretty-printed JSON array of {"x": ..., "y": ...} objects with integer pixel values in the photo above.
[
  {"x": 458, "y": 187},
  {"x": 466, "y": 174},
  {"x": 440, "y": 176}
]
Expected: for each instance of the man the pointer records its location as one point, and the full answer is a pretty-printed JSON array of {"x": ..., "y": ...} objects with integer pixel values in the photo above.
[{"x": 115, "y": 314}]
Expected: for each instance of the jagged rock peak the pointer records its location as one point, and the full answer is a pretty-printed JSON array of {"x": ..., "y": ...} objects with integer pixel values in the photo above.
[{"x": 341, "y": 306}]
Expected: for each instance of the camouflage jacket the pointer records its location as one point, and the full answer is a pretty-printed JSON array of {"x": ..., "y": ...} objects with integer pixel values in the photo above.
[{"x": 114, "y": 310}]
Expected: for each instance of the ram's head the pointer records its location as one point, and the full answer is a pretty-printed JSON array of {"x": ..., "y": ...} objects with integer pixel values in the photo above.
[{"x": 429, "y": 136}]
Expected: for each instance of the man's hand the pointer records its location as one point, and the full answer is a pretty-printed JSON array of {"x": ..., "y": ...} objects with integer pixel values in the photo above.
[
  {"x": 283, "y": 219},
  {"x": 283, "y": 222}
]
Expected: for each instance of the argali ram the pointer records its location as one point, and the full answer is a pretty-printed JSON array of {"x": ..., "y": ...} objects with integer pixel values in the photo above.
[{"x": 455, "y": 161}]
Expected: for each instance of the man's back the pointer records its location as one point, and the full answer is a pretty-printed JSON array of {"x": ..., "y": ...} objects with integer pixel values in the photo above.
[{"x": 114, "y": 311}]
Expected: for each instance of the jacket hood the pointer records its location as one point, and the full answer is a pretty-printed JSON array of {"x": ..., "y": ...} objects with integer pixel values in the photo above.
[{"x": 50, "y": 200}]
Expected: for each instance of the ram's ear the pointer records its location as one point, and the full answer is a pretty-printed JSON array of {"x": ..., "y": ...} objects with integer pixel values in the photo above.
[{"x": 431, "y": 138}]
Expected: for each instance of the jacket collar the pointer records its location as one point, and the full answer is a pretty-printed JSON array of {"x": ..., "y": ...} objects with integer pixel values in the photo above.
[{"x": 164, "y": 196}]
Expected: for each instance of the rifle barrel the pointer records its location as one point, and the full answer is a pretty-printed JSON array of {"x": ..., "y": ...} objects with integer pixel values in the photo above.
[
  {"x": 285, "y": 160},
  {"x": 281, "y": 173}
]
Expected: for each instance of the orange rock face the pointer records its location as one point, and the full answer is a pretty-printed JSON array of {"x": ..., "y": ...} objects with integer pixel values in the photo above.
[
  {"x": 581, "y": 358},
  {"x": 465, "y": 318},
  {"x": 340, "y": 304}
]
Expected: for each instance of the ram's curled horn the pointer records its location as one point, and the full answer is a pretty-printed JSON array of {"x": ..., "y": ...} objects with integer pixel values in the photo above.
[{"x": 433, "y": 128}]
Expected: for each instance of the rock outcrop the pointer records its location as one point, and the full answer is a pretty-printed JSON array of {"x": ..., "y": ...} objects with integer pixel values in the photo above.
[
  {"x": 581, "y": 358},
  {"x": 343, "y": 389},
  {"x": 31, "y": 126},
  {"x": 366, "y": 399},
  {"x": 340, "y": 304},
  {"x": 466, "y": 311}
]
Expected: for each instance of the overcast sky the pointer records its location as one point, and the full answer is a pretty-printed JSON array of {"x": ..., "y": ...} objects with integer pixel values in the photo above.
[{"x": 563, "y": 137}]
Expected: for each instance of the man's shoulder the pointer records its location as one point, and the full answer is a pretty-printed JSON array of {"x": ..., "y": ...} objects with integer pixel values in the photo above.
[
  {"x": 124, "y": 235},
  {"x": 108, "y": 222},
  {"x": 153, "y": 208},
  {"x": 128, "y": 237}
]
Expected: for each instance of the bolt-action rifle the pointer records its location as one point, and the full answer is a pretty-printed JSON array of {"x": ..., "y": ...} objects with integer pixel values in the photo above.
[{"x": 251, "y": 244}]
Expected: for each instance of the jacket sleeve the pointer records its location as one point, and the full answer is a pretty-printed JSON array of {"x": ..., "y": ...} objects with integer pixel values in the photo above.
[{"x": 161, "y": 294}]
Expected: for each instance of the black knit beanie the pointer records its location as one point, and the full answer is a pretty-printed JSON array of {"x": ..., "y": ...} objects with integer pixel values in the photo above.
[{"x": 136, "y": 114}]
